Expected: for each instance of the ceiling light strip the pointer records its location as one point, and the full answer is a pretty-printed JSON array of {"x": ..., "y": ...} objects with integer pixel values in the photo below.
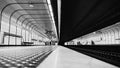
[
  {"x": 51, "y": 13},
  {"x": 59, "y": 15}
]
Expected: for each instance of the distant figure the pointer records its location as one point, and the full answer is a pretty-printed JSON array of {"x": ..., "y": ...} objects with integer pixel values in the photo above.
[
  {"x": 78, "y": 43},
  {"x": 86, "y": 43},
  {"x": 92, "y": 42}
]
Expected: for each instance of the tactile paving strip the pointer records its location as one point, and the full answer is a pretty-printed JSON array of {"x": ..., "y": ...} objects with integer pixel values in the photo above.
[{"x": 29, "y": 57}]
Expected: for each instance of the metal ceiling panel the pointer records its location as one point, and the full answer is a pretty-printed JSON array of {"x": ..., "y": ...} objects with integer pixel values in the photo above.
[{"x": 32, "y": 9}]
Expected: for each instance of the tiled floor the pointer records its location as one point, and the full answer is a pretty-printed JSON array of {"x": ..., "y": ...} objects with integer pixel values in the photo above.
[
  {"x": 66, "y": 58},
  {"x": 61, "y": 57},
  {"x": 23, "y": 57}
]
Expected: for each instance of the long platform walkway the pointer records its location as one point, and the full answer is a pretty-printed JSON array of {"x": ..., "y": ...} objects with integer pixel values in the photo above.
[
  {"x": 64, "y": 57},
  {"x": 23, "y": 56},
  {"x": 47, "y": 57}
]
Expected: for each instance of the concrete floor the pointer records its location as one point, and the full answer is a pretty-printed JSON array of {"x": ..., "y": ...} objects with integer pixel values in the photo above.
[{"x": 66, "y": 58}]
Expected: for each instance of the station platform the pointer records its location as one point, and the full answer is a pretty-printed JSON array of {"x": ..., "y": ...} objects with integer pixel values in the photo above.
[
  {"x": 23, "y": 56},
  {"x": 64, "y": 57},
  {"x": 47, "y": 57}
]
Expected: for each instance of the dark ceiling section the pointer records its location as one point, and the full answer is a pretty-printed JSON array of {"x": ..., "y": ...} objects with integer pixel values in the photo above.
[
  {"x": 55, "y": 13},
  {"x": 80, "y": 17}
]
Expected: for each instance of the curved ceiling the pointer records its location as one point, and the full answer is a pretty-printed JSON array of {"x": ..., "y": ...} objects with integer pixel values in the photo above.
[
  {"x": 80, "y": 17},
  {"x": 34, "y": 12}
]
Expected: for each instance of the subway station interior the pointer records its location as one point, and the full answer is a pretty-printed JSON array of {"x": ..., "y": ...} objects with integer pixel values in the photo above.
[{"x": 59, "y": 33}]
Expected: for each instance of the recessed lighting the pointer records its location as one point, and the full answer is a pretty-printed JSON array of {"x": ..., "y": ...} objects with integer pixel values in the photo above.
[
  {"x": 31, "y": 5},
  {"x": 94, "y": 32}
]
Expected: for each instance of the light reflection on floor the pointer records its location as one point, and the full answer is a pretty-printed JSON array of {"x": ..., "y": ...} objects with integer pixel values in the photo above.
[{"x": 66, "y": 58}]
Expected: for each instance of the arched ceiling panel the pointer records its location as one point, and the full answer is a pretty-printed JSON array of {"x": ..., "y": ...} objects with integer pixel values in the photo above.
[
  {"x": 34, "y": 8},
  {"x": 81, "y": 17}
]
